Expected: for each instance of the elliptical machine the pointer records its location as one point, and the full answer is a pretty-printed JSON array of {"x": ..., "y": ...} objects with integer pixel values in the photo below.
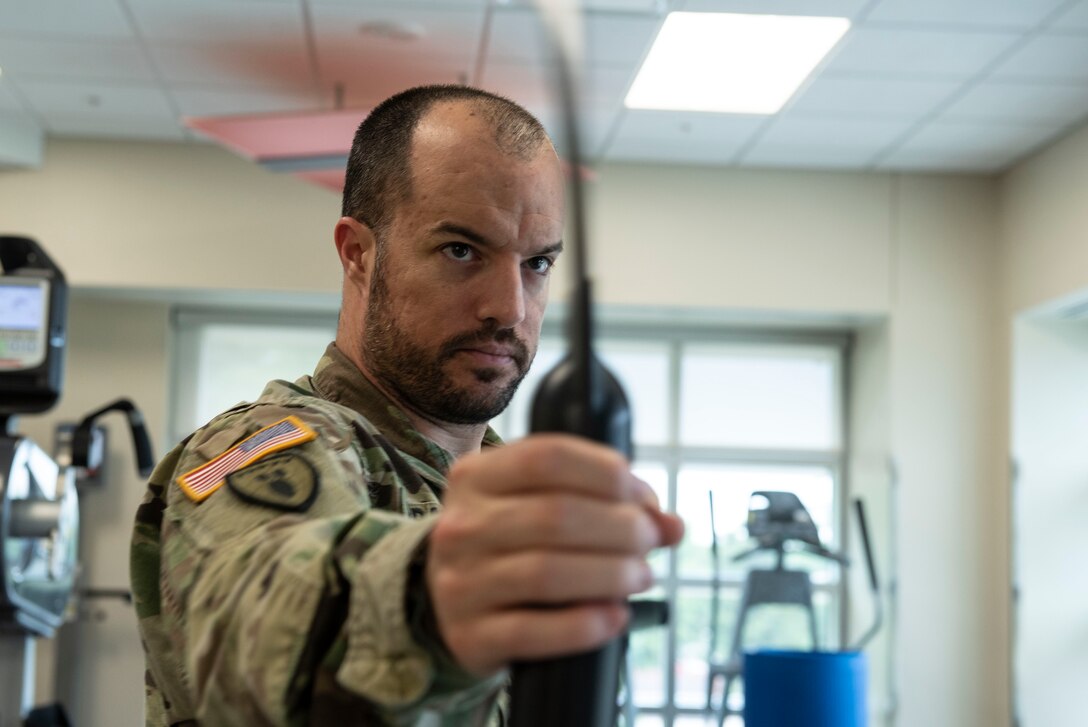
[
  {"x": 39, "y": 506},
  {"x": 39, "y": 510}
]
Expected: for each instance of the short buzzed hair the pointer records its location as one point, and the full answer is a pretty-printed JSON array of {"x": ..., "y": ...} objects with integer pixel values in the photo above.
[{"x": 379, "y": 174}]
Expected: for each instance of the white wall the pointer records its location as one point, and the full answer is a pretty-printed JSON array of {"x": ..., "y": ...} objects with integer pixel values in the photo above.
[
  {"x": 951, "y": 548},
  {"x": 1045, "y": 268},
  {"x": 1045, "y": 225},
  {"x": 917, "y": 252},
  {"x": 191, "y": 216},
  {"x": 1051, "y": 402}
]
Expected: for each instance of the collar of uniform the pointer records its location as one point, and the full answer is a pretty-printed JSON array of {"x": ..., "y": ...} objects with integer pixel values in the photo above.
[{"x": 337, "y": 379}]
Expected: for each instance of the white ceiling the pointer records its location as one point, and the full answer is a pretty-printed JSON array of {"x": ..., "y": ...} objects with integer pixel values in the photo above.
[{"x": 955, "y": 85}]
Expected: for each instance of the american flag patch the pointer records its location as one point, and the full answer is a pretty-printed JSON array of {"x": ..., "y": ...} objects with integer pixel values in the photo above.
[{"x": 201, "y": 482}]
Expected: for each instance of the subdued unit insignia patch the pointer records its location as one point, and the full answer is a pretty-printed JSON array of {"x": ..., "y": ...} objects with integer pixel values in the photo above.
[
  {"x": 286, "y": 481},
  {"x": 201, "y": 482}
]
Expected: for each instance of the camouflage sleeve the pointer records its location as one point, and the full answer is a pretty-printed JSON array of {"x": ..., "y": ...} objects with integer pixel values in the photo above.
[{"x": 289, "y": 615}]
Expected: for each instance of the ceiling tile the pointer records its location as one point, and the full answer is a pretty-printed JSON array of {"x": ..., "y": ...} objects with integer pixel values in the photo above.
[
  {"x": 193, "y": 101},
  {"x": 116, "y": 126},
  {"x": 626, "y": 6},
  {"x": 451, "y": 34},
  {"x": 366, "y": 79},
  {"x": 917, "y": 53},
  {"x": 607, "y": 85},
  {"x": 681, "y": 137},
  {"x": 620, "y": 40},
  {"x": 72, "y": 59},
  {"x": 20, "y": 140},
  {"x": 1022, "y": 102},
  {"x": 416, "y": 5},
  {"x": 611, "y": 39},
  {"x": 1019, "y": 14},
  {"x": 1053, "y": 56},
  {"x": 846, "y": 133},
  {"x": 968, "y": 145},
  {"x": 91, "y": 99},
  {"x": 235, "y": 64},
  {"x": 898, "y": 97},
  {"x": 604, "y": 6},
  {"x": 828, "y": 8},
  {"x": 369, "y": 67},
  {"x": 515, "y": 36},
  {"x": 8, "y": 101},
  {"x": 63, "y": 18},
  {"x": 810, "y": 156},
  {"x": 1074, "y": 18},
  {"x": 214, "y": 21}
]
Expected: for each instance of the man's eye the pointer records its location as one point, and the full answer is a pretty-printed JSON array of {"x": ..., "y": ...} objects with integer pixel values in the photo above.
[
  {"x": 540, "y": 264},
  {"x": 458, "y": 251}
]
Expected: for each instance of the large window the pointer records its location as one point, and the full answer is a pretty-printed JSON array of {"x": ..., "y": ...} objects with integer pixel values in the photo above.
[
  {"x": 723, "y": 414},
  {"x": 717, "y": 416}
]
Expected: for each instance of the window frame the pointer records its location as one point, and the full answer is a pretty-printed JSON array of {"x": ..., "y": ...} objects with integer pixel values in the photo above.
[{"x": 672, "y": 455}]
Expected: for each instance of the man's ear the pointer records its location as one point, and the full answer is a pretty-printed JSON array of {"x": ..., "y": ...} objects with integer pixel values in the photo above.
[{"x": 357, "y": 248}]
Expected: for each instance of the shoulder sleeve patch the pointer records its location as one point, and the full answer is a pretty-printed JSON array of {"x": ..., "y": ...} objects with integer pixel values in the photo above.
[
  {"x": 201, "y": 482},
  {"x": 286, "y": 481}
]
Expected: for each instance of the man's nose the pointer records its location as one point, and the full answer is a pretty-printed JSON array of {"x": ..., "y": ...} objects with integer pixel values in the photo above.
[{"x": 502, "y": 297}]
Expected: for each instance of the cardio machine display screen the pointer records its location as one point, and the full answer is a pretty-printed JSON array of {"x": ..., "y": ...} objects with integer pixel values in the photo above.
[
  {"x": 22, "y": 307},
  {"x": 24, "y": 324}
]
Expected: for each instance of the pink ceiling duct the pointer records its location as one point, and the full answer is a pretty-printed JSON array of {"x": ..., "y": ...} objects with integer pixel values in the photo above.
[{"x": 312, "y": 145}]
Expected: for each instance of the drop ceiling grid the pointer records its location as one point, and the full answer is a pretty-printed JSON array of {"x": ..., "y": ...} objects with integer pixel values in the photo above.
[
  {"x": 370, "y": 67},
  {"x": 1016, "y": 140},
  {"x": 102, "y": 19},
  {"x": 930, "y": 61},
  {"x": 199, "y": 22},
  {"x": 119, "y": 61}
]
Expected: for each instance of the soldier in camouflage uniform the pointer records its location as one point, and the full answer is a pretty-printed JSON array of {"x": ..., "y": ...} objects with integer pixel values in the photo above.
[{"x": 317, "y": 557}]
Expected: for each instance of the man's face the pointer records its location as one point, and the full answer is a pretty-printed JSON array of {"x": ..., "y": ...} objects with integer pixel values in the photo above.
[{"x": 458, "y": 292}]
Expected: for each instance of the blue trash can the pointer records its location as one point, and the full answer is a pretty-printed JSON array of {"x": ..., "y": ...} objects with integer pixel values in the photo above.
[{"x": 805, "y": 689}]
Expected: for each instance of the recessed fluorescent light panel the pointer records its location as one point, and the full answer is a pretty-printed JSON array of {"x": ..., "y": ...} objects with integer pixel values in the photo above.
[{"x": 731, "y": 63}]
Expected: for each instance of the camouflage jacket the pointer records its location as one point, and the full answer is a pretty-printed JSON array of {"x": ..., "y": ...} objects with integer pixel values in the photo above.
[{"x": 276, "y": 567}]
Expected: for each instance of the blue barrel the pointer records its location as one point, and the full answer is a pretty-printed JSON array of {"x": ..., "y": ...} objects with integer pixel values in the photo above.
[{"x": 805, "y": 689}]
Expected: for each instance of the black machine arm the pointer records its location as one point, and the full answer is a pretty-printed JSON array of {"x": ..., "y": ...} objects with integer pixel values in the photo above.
[
  {"x": 874, "y": 579},
  {"x": 141, "y": 442},
  {"x": 579, "y": 396}
]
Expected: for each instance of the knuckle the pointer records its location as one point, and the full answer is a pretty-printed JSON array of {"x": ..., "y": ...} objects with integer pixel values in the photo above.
[
  {"x": 538, "y": 459},
  {"x": 615, "y": 472},
  {"x": 543, "y": 574},
  {"x": 449, "y": 529},
  {"x": 446, "y": 585},
  {"x": 554, "y": 517},
  {"x": 640, "y": 530}
]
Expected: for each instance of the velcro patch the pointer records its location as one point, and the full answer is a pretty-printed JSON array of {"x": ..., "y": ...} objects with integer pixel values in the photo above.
[
  {"x": 201, "y": 482},
  {"x": 286, "y": 481}
]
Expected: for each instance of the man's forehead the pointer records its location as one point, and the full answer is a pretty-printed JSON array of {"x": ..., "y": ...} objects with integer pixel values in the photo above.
[{"x": 447, "y": 126}]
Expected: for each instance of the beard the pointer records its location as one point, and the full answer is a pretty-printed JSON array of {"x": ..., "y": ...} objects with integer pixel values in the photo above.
[{"x": 417, "y": 376}]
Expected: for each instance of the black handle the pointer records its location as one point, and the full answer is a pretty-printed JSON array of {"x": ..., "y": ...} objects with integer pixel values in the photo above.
[{"x": 141, "y": 441}]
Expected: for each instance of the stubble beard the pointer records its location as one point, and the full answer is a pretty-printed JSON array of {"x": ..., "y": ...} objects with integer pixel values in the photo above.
[{"x": 417, "y": 376}]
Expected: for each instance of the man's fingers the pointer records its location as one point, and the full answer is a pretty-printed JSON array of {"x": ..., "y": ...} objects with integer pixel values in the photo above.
[
  {"x": 556, "y": 521},
  {"x": 670, "y": 526},
  {"x": 529, "y": 634},
  {"x": 550, "y": 462},
  {"x": 540, "y": 578}
]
